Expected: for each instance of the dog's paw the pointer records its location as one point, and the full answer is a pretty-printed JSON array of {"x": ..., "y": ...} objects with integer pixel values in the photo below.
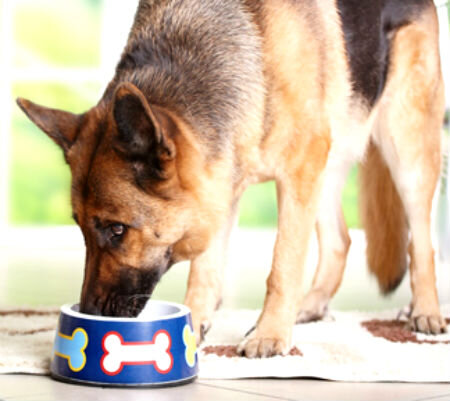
[
  {"x": 201, "y": 324},
  {"x": 262, "y": 345},
  {"x": 204, "y": 328},
  {"x": 426, "y": 318},
  {"x": 405, "y": 312},
  {"x": 200, "y": 330},
  {"x": 314, "y": 307},
  {"x": 427, "y": 324},
  {"x": 201, "y": 319}
]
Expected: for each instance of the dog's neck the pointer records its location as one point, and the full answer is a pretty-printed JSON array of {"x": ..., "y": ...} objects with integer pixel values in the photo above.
[{"x": 185, "y": 66}]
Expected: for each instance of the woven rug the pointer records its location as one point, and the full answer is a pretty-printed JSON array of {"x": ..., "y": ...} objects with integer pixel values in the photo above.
[{"x": 353, "y": 346}]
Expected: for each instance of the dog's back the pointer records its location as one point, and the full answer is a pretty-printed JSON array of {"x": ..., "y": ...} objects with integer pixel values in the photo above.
[
  {"x": 368, "y": 27},
  {"x": 217, "y": 62},
  {"x": 200, "y": 58}
]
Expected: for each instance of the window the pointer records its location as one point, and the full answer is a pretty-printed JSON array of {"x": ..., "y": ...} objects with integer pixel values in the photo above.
[
  {"x": 59, "y": 54},
  {"x": 62, "y": 54}
]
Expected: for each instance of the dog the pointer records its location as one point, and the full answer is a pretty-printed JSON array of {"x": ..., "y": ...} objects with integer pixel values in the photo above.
[{"x": 210, "y": 96}]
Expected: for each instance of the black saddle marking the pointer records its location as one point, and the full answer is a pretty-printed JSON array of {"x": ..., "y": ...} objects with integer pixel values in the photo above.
[{"x": 368, "y": 26}]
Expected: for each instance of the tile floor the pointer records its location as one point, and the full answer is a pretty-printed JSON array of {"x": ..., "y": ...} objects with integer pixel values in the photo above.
[
  {"x": 40, "y": 388},
  {"x": 51, "y": 275}
]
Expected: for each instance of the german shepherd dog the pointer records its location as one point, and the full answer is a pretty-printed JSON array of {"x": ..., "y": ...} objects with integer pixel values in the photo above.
[{"x": 210, "y": 96}]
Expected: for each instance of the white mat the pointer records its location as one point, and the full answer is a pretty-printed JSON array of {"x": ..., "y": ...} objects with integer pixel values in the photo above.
[
  {"x": 26, "y": 339},
  {"x": 336, "y": 350},
  {"x": 339, "y": 350}
]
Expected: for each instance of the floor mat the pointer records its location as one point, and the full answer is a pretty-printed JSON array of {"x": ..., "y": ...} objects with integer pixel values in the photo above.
[{"x": 351, "y": 346}]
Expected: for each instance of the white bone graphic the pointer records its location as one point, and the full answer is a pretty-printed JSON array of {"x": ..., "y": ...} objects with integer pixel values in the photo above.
[{"x": 119, "y": 353}]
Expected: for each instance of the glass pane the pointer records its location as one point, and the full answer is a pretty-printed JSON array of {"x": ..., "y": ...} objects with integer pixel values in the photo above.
[
  {"x": 350, "y": 199},
  {"x": 258, "y": 206},
  {"x": 59, "y": 275},
  {"x": 39, "y": 177},
  {"x": 76, "y": 98},
  {"x": 63, "y": 33}
]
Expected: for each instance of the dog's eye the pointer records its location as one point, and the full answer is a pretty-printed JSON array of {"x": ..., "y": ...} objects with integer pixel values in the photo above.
[{"x": 117, "y": 229}]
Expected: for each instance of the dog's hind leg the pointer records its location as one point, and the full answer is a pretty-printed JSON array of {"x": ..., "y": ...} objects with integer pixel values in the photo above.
[
  {"x": 205, "y": 283},
  {"x": 334, "y": 242},
  {"x": 408, "y": 133}
]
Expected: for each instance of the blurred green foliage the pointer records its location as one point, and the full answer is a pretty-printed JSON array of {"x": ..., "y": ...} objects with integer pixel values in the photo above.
[
  {"x": 67, "y": 34},
  {"x": 258, "y": 205},
  {"x": 63, "y": 33},
  {"x": 59, "y": 34},
  {"x": 40, "y": 179}
]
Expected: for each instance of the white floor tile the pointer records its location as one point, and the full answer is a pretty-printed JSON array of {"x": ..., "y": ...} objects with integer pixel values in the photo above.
[
  {"x": 333, "y": 391},
  {"x": 43, "y": 388}
]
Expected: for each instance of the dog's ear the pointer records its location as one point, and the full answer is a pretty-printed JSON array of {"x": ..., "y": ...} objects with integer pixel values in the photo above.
[
  {"x": 61, "y": 126},
  {"x": 143, "y": 132}
]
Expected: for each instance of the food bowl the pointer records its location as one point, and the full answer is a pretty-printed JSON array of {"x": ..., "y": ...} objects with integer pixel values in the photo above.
[{"x": 155, "y": 349}]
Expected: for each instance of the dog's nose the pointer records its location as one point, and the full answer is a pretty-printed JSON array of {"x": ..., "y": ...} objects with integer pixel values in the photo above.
[{"x": 90, "y": 308}]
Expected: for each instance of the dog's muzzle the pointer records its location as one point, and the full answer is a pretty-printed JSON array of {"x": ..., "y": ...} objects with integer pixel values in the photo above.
[{"x": 127, "y": 296}]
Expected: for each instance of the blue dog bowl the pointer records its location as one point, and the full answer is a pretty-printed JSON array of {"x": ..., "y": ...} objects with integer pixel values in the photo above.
[{"x": 155, "y": 349}]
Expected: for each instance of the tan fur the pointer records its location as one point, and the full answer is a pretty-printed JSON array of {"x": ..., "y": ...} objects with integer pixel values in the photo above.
[
  {"x": 296, "y": 149},
  {"x": 298, "y": 121},
  {"x": 384, "y": 220},
  {"x": 405, "y": 127},
  {"x": 412, "y": 152}
]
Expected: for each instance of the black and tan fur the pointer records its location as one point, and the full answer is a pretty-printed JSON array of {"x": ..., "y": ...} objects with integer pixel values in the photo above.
[{"x": 211, "y": 96}]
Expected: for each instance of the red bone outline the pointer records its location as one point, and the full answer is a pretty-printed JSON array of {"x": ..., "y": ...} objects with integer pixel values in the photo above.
[{"x": 122, "y": 342}]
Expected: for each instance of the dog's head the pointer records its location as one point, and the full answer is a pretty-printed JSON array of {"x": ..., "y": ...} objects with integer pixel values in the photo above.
[{"x": 141, "y": 194}]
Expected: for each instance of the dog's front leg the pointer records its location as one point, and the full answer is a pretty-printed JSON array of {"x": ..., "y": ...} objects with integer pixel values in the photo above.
[
  {"x": 297, "y": 192},
  {"x": 205, "y": 283}
]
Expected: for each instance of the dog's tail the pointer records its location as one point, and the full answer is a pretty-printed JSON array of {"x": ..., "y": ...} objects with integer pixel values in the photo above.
[{"x": 384, "y": 220}]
